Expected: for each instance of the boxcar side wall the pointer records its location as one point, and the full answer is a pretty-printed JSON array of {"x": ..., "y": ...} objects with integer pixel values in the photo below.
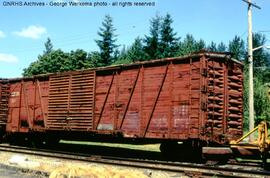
[
  {"x": 160, "y": 100},
  {"x": 193, "y": 97}
]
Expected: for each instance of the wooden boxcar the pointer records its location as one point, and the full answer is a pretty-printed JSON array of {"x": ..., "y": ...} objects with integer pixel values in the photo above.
[{"x": 194, "y": 97}]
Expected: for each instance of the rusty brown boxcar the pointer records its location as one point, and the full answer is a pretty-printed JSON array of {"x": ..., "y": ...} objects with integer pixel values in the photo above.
[{"x": 195, "y": 97}]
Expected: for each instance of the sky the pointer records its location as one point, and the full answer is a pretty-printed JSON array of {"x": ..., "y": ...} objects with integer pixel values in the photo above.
[{"x": 24, "y": 29}]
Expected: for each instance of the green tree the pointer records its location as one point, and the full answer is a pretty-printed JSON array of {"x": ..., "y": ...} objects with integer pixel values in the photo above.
[
  {"x": 133, "y": 53},
  {"x": 262, "y": 102},
  {"x": 136, "y": 52},
  {"x": 33, "y": 69},
  {"x": 190, "y": 45},
  {"x": 266, "y": 76},
  {"x": 212, "y": 47},
  {"x": 168, "y": 40},
  {"x": 77, "y": 60},
  {"x": 94, "y": 59},
  {"x": 261, "y": 79},
  {"x": 123, "y": 57},
  {"x": 106, "y": 44},
  {"x": 53, "y": 62},
  {"x": 221, "y": 47},
  {"x": 200, "y": 45},
  {"x": 152, "y": 42},
  {"x": 48, "y": 46},
  {"x": 261, "y": 99},
  {"x": 261, "y": 58},
  {"x": 237, "y": 48},
  {"x": 58, "y": 61}
]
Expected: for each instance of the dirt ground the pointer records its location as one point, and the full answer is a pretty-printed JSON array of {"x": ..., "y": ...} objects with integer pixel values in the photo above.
[{"x": 58, "y": 168}]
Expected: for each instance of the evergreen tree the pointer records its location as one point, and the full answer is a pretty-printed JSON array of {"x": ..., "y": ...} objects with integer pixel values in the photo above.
[
  {"x": 260, "y": 57},
  {"x": 261, "y": 98},
  {"x": 237, "y": 48},
  {"x": 48, "y": 46},
  {"x": 132, "y": 54},
  {"x": 266, "y": 76},
  {"x": 95, "y": 59},
  {"x": 221, "y": 47},
  {"x": 123, "y": 57},
  {"x": 200, "y": 45},
  {"x": 189, "y": 45},
  {"x": 136, "y": 52},
  {"x": 168, "y": 40},
  {"x": 106, "y": 44},
  {"x": 212, "y": 47},
  {"x": 260, "y": 78},
  {"x": 152, "y": 42}
]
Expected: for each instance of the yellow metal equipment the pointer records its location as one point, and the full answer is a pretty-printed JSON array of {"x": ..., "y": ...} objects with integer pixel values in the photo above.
[{"x": 258, "y": 148}]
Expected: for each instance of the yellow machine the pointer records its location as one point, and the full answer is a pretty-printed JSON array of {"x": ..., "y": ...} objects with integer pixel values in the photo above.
[{"x": 255, "y": 149}]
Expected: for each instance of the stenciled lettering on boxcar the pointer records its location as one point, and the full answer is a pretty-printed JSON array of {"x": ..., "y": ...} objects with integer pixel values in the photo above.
[{"x": 181, "y": 115}]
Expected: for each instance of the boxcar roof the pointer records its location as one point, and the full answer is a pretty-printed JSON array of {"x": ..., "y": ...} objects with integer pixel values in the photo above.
[{"x": 225, "y": 55}]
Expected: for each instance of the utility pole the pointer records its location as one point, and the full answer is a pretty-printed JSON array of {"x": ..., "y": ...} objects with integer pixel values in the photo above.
[{"x": 250, "y": 67}]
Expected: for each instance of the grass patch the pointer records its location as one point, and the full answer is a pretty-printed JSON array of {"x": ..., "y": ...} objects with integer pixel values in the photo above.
[{"x": 147, "y": 147}]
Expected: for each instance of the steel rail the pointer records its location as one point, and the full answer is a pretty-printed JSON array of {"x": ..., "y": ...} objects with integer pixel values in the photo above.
[{"x": 185, "y": 168}]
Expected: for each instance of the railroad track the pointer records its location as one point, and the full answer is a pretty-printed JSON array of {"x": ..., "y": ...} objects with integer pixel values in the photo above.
[{"x": 185, "y": 168}]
